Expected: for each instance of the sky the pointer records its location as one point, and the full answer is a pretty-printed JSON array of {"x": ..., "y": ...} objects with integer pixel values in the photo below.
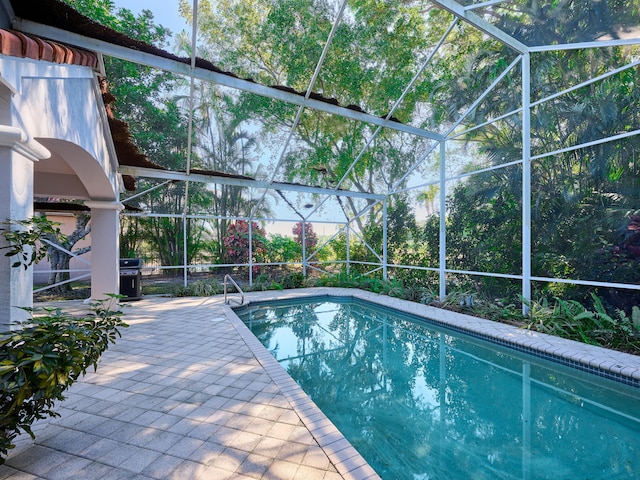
[{"x": 165, "y": 12}]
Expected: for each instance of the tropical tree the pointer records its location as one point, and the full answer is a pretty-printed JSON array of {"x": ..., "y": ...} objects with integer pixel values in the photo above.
[
  {"x": 224, "y": 146},
  {"x": 310, "y": 239},
  {"x": 146, "y": 100},
  {"x": 239, "y": 239},
  {"x": 373, "y": 51},
  {"x": 59, "y": 259}
]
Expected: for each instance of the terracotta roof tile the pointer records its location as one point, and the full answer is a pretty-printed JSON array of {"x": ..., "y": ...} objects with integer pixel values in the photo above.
[
  {"x": 10, "y": 44},
  {"x": 29, "y": 46},
  {"x": 18, "y": 44},
  {"x": 45, "y": 50}
]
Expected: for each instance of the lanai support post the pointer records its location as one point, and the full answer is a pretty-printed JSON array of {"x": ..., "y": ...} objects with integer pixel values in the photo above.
[
  {"x": 443, "y": 219},
  {"x": 17, "y": 156},
  {"x": 105, "y": 247},
  {"x": 347, "y": 236},
  {"x": 185, "y": 252},
  {"x": 526, "y": 181},
  {"x": 385, "y": 259},
  {"x": 304, "y": 248}
]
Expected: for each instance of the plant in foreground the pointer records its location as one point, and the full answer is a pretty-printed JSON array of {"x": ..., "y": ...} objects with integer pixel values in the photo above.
[
  {"x": 39, "y": 362},
  {"x": 22, "y": 237}
]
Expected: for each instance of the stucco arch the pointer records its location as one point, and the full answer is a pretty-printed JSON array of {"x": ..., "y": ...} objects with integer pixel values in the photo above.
[{"x": 72, "y": 172}]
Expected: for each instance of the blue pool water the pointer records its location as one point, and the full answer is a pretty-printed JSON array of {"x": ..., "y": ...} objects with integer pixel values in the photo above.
[{"x": 420, "y": 402}]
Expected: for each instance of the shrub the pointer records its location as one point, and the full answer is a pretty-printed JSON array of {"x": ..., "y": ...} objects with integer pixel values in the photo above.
[
  {"x": 293, "y": 280},
  {"x": 282, "y": 249},
  {"x": 571, "y": 319},
  {"x": 310, "y": 237},
  {"x": 23, "y": 239},
  {"x": 199, "y": 288},
  {"x": 236, "y": 243},
  {"x": 341, "y": 279},
  {"x": 39, "y": 362}
]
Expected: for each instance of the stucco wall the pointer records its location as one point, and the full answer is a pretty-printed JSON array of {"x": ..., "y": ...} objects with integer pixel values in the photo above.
[{"x": 63, "y": 102}]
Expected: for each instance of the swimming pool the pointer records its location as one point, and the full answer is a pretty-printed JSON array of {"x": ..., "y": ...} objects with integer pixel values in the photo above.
[{"x": 419, "y": 401}]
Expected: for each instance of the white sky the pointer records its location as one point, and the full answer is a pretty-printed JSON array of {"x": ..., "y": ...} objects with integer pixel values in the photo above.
[{"x": 165, "y": 12}]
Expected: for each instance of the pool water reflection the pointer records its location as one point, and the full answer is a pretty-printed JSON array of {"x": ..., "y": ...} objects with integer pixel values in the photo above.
[{"x": 420, "y": 402}]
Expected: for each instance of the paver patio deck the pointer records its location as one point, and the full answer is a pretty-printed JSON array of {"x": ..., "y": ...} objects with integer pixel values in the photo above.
[{"x": 182, "y": 395}]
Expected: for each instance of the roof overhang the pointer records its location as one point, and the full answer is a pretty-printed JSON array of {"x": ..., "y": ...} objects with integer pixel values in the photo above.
[
  {"x": 242, "y": 182},
  {"x": 199, "y": 73}
]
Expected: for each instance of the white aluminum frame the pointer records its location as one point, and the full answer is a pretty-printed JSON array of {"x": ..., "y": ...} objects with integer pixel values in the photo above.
[{"x": 460, "y": 13}]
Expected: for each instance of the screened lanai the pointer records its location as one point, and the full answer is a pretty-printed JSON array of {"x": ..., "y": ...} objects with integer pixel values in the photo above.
[{"x": 471, "y": 146}]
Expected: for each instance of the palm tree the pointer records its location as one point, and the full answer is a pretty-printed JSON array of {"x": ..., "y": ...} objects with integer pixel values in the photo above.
[{"x": 224, "y": 147}]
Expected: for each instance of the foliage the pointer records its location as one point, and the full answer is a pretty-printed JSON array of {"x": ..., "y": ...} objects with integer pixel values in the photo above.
[
  {"x": 264, "y": 282},
  {"x": 310, "y": 237},
  {"x": 485, "y": 237},
  {"x": 224, "y": 145},
  {"x": 282, "y": 249},
  {"x": 146, "y": 100},
  {"x": 59, "y": 258},
  {"x": 293, "y": 280},
  {"x": 39, "y": 362},
  {"x": 22, "y": 237},
  {"x": 570, "y": 319},
  {"x": 357, "y": 280},
  {"x": 199, "y": 288},
  {"x": 376, "y": 52},
  {"x": 236, "y": 242}
]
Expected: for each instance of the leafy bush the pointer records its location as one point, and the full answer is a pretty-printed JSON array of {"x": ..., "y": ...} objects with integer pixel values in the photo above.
[
  {"x": 263, "y": 282},
  {"x": 341, "y": 279},
  {"x": 293, "y": 280},
  {"x": 570, "y": 319},
  {"x": 310, "y": 237},
  {"x": 282, "y": 249},
  {"x": 39, "y": 362},
  {"x": 236, "y": 242},
  {"x": 199, "y": 288},
  {"x": 22, "y": 237}
]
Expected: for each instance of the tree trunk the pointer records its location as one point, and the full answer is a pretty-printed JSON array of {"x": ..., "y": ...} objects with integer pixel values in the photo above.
[{"x": 60, "y": 260}]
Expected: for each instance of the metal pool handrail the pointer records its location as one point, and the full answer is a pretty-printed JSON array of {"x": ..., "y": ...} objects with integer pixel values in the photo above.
[{"x": 227, "y": 278}]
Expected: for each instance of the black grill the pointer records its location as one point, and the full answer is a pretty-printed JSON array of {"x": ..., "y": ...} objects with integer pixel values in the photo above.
[{"x": 131, "y": 278}]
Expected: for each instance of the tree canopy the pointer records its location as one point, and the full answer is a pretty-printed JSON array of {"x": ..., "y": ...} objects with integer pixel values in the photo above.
[{"x": 584, "y": 192}]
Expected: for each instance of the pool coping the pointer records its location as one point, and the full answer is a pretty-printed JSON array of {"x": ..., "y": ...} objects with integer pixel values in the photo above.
[
  {"x": 618, "y": 366},
  {"x": 344, "y": 456}
]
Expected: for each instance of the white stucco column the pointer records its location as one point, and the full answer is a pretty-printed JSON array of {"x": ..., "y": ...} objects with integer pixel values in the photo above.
[
  {"x": 105, "y": 247},
  {"x": 17, "y": 155}
]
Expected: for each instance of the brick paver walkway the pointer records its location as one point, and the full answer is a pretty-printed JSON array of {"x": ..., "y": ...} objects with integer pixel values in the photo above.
[{"x": 183, "y": 396}]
